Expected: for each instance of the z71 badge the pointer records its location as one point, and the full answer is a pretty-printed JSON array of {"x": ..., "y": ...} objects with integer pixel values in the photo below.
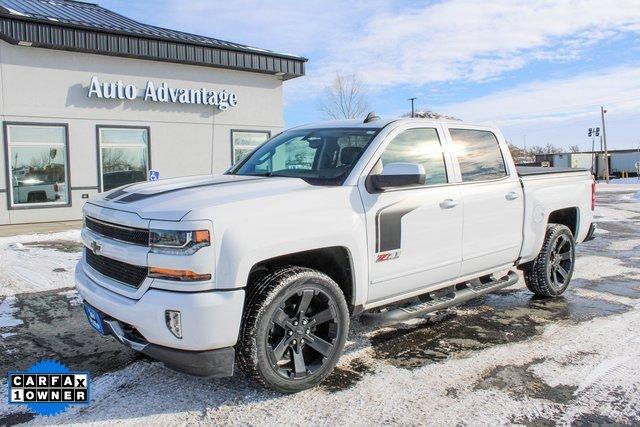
[{"x": 388, "y": 256}]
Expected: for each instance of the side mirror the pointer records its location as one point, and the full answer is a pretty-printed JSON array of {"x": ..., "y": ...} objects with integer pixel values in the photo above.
[{"x": 397, "y": 175}]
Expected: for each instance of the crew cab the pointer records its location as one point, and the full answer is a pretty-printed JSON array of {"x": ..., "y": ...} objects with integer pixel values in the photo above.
[{"x": 264, "y": 266}]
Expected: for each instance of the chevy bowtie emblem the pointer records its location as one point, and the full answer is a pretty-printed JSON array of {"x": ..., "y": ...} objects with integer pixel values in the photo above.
[{"x": 96, "y": 247}]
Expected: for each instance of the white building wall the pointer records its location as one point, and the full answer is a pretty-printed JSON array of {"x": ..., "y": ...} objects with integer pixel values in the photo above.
[{"x": 50, "y": 86}]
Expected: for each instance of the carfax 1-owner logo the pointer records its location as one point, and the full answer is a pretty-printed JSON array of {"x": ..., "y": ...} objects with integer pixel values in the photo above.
[{"x": 49, "y": 388}]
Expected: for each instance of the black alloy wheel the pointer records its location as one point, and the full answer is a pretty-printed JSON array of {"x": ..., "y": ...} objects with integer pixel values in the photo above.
[
  {"x": 549, "y": 274},
  {"x": 303, "y": 331},
  {"x": 560, "y": 266},
  {"x": 293, "y": 329}
]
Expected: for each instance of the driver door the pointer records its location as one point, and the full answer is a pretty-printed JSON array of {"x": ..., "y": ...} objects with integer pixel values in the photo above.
[{"x": 414, "y": 233}]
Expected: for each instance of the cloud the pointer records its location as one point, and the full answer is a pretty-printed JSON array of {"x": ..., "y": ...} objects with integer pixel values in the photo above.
[
  {"x": 287, "y": 26},
  {"x": 467, "y": 40},
  {"x": 555, "y": 100},
  {"x": 390, "y": 43}
]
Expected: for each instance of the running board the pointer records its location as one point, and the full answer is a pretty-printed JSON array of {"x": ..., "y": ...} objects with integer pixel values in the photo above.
[{"x": 462, "y": 293}]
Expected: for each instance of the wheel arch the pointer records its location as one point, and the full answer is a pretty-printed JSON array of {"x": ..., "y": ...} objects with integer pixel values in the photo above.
[
  {"x": 570, "y": 217},
  {"x": 334, "y": 261}
]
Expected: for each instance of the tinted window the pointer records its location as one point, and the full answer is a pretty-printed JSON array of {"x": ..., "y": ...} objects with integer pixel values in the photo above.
[
  {"x": 323, "y": 156},
  {"x": 478, "y": 154},
  {"x": 420, "y": 146},
  {"x": 37, "y": 164}
]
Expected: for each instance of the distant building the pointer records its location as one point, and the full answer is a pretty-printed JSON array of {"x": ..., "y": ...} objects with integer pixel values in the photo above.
[{"x": 619, "y": 161}]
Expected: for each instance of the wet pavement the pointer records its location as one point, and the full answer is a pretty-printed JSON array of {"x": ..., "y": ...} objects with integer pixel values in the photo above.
[
  {"x": 52, "y": 325},
  {"x": 504, "y": 317}
]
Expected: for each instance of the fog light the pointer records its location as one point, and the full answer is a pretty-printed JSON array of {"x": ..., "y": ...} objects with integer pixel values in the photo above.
[{"x": 174, "y": 323}]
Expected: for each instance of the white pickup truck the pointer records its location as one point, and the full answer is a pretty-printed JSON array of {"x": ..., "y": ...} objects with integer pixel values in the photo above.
[{"x": 265, "y": 265}]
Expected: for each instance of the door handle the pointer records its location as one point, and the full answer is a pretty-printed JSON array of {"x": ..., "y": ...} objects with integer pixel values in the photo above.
[
  {"x": 511, "y": 195},
  {"x": 448, "y": 204}
]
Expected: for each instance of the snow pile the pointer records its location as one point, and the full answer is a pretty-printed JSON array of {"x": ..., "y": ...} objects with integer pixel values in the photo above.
[{"x": 27, "y": 268}]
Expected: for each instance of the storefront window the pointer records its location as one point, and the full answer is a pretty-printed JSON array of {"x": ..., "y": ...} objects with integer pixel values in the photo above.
[
  {"x": 124, "y": 156},
  {"x": 244, "y": 142},
  {"x": 38, "y": 165}
]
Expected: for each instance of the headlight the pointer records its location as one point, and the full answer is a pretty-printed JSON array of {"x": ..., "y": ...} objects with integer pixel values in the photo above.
[{"x": 178, "y": 242}]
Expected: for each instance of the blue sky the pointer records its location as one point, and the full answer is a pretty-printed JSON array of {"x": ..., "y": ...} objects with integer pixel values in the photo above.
[{"x": 539, "y": 69}]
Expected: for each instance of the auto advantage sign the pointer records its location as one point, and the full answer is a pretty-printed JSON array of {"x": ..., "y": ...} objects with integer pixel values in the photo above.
[{"x": 162, "y": 93}]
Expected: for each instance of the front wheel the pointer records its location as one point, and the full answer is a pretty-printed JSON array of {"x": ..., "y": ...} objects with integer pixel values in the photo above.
[
  {"x": 294, "y": 329},
  {"x": 548, "y": 275}
]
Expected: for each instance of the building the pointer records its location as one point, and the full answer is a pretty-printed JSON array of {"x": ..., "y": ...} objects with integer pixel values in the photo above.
[
  {"x": 625, "y": 160},
  {"x": 619, "y": 161},
  {"x": 92, "y": 100}
]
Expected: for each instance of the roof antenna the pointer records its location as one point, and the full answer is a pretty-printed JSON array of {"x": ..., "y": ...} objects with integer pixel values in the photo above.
[{"x": 371, "y": 117}]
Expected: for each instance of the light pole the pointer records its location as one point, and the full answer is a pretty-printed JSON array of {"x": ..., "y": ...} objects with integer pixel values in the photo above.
[
  {"x": 593, "y": 132},
  {"x": 604, "y": 140},
  {"x": 413, "y": 111}
]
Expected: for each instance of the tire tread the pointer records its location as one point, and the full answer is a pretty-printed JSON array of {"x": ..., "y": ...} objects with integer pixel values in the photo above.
[
  {"x": 535, "y": 272},
  {"x": 260, "y": 295}
]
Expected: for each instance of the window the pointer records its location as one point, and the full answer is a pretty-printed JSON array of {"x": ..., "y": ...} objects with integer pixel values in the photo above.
[
  {"x": 38, "y": 165},
  {"x": 323, "y": 156},
  {"x": 420, "y": 146},
  {"x": 478, "y": 154},
  {"x": 244, "y": 142},
  {"x": 124, "y": 156}
]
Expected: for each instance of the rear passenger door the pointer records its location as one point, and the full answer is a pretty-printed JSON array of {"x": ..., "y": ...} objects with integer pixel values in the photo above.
[{"x": 492, "y": 198}]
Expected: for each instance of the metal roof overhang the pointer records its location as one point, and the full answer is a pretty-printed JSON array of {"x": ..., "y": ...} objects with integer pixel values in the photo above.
[{"x": 27, "y": 31}]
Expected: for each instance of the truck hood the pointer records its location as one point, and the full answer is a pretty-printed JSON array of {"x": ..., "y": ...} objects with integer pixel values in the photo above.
[{"x": 173, "y": 199}]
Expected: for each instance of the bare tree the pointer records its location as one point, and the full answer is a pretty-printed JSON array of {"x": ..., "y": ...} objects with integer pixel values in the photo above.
[
  {"x": 428, "y": 114},
  {"x": 548, "y": 149},
  {"x": 520, "y": 155},
  {"x": 344, "y": 98},
  {"x": 574, "y": 149}
]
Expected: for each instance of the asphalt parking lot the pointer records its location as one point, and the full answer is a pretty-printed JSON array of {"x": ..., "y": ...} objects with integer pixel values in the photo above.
[{"x": 504, "y": 358}]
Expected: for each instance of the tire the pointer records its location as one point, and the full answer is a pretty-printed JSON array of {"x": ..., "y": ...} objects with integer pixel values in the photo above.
[
  {"x": 549, "y": 274},
  {"x": 283, "y": 345}
]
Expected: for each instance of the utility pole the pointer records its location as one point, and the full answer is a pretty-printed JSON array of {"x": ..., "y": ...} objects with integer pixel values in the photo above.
[
  {"x": 604, "y": 141},
  {"x": 413, "y": 110}
]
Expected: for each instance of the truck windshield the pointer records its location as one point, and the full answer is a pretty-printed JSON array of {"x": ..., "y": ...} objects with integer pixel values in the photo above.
[{"x": 319, "y": 156}]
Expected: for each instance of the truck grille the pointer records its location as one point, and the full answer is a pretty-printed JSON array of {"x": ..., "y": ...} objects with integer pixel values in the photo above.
[
  {"x": 128, "y": 274},
  {"x": 137, "y": 236}
]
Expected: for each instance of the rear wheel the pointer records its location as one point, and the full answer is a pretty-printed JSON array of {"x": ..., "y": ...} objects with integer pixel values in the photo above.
[
  {"x": 550, "y": 272},
  {"x": 294, "y": 329}
]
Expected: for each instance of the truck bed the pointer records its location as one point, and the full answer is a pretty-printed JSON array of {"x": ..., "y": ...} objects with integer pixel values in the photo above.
[{"x": 537, "y": 170}]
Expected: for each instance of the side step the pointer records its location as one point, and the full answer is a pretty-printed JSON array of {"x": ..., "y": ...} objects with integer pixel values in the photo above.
[{"x": 462, "y": 293}]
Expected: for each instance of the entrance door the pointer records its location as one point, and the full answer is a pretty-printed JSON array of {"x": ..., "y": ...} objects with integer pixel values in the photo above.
[{"x": 414, "y": 233}]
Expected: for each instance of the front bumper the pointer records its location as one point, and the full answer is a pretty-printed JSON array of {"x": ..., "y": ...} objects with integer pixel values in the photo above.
[
  {"x": 210, "y": 323},
  {"x": 208, "y": 363}
]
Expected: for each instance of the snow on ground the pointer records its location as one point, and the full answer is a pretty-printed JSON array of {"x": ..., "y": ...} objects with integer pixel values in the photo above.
[
  {"x": 623, "y": 181},
  {"x": 506, "y": 358},
  {"x": 38, "y": 262},
  {"x": 7, "y": 312},
  {"x": 588, "y": 267},
  {"x": 624, "y": 245}
]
